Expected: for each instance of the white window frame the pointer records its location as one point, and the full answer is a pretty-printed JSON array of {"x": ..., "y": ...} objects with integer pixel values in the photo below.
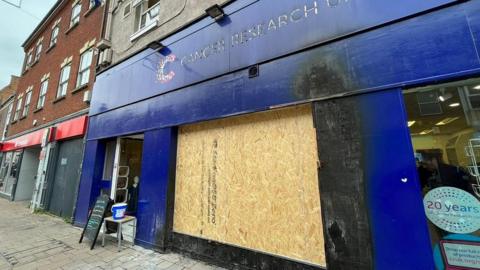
[
  {"x": 7, "y": 120},
  {"x": 38, "y": 51},
  {"x": 54, "y": 35},
  {"x": 153, "y": 22},
  {"x": 29, "y": 57},
  {"x": 84, "y": 71},
  {"x": 18, "y": 108},
  {"x": 129, "y": 6},
  {"x": 75, "y": 17},
  {"x": 91, "y": 4},
  {"x": 63, "y": 81},
  {"x": 26, "y": 105},
  {"x": 42, "y": 94},
  {"x": 9, "y": 112}
]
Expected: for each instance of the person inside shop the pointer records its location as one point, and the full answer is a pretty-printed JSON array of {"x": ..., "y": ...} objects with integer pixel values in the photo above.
[
  {"x": 443, "y": 174},
  {"x": 133, "y": 197},
  {"x": 424, "y": 174}
]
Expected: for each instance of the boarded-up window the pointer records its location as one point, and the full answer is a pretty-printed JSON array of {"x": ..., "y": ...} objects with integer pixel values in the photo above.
[{"x": 251, "y": 181}]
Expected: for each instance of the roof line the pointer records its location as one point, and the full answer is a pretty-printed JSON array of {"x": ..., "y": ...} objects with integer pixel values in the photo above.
[{"x": 42, "y": 22}]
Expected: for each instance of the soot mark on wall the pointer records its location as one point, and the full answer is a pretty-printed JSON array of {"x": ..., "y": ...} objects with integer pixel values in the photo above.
[{"x": 341, "y": 181}]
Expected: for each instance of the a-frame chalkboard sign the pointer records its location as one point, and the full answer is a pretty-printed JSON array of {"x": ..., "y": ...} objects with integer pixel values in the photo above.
[{"x": 95, "y": 220}]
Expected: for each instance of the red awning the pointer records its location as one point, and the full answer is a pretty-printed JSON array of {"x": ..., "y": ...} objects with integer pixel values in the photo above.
[
  {"x": 72, "y": 128},
  {"x": 69, "y": 129},
  {"x": 30, "y": 139}
]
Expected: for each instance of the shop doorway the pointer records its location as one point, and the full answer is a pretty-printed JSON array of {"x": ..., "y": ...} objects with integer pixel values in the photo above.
[
  {"x": 62, "y": 190},
  {"x": 126, "y": 180},
  {"x": 9, "y": 172},
  {"x": 127, "y": 169},
  {"x": 27, "y": 174},
  {"x": 444, "y": 123}
]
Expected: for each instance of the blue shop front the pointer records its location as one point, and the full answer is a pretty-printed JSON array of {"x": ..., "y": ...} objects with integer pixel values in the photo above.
[{"x": 305, "y": 134}]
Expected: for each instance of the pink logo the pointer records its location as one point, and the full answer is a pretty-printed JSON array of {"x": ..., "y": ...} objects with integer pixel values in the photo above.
[{"x": 163, "y": 75}]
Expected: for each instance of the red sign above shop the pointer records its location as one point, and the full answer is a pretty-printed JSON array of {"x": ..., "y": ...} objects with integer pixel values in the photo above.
[
  {"x": 31, "y": 139},
  {"x": 71, "y": 128}
]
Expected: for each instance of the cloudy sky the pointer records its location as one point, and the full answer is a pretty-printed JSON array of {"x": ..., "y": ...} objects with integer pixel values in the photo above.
[{"x": 16, "y": 25}]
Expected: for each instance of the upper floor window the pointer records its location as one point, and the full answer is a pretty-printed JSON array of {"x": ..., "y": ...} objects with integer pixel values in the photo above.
[
  {"x": 54, "y": 36},
  {"x": 147, "y": 14},
  {"x": 18, "y": 108},
  {"x": 7, "y": 120},
  {"x": 26, "y": 106},
  {"x": 9, "y": 112},
  {"x": 84, "y": 68},
  {"x": 93, "y": 3},
  {"x": 38, "y": 52},
  {"x": 42, "y": 94},
  {"x": 29, "y": 58},
  {"x": 76, "y": 14},
  {"x": 63, "y": 81}
]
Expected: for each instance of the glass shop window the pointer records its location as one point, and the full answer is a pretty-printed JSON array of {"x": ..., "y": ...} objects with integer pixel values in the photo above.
[
  {"x": 6, "y": 160},
  {"x": 109, "y": 160},
  {"x": 444, "y": 123}
]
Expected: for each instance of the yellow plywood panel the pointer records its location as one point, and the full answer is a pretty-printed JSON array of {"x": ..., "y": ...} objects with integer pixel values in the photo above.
[{"x": 251, "y": 181}]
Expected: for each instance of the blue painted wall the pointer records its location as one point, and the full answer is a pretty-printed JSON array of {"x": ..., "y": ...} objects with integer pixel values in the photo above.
[
  {"x": 157, "y": 176},
  {"x": 437, "y": 46},
  {"x": 433, "y": 47},
  {"x": 397, "y": 219},
  {"x": 90, "y": 180},
  {"x": 248, "y": 33}
]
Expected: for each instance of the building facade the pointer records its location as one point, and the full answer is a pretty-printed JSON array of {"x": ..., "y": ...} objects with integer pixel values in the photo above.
[
  {"x": 294, "y": 134},
  {"x": 43, "y": 151},
  {"x": 7, "y": 96}
]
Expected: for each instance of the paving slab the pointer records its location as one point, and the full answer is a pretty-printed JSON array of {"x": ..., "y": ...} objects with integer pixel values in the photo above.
[{"x": 40, "y": 241}]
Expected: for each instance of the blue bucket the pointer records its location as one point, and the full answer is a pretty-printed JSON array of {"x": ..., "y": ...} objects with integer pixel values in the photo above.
[{"x": 118, "y": 210}]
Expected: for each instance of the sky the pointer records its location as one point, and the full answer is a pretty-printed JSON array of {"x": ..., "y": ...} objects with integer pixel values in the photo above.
[{"x": 15, "y": 26}]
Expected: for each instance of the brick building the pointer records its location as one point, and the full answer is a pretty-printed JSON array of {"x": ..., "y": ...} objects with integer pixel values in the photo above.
[
  {"x": 49, "y": 117},
  {"x": 7, "y": 95}
]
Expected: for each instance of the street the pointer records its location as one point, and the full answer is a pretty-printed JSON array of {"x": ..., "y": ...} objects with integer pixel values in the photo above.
[{"x": 40, "y": 241}]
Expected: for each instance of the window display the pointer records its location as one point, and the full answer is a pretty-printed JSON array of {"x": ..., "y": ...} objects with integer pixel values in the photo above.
[{"x": 444, "y": 123}]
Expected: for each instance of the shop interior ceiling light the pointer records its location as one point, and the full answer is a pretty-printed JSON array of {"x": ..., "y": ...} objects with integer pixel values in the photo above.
[
  {"x": 477, "y": 87},
  {"x": 445, "y": 97},
  {"x": 425, "y": 132},
  {"x": 410, "y": 123},
  {"x": 215, "y": 12},
  {"x": 453, "y": 105},
  {"x": 446, "y": 121}
]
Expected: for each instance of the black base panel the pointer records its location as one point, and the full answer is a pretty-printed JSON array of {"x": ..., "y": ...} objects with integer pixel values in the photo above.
[{"x": 231, "y": 257}]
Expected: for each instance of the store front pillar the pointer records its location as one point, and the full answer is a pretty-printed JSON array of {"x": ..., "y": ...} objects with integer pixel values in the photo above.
[
  {"x": 155, "y": 202},
  {"x": 371, "y": 203},
  {"x": 90, "y": 181}
]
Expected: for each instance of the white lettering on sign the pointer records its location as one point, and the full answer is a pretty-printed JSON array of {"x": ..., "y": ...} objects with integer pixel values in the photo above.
[
  {"x": 211, "y": 49},
  {"x": 258, "y": 30},
  {"x": 280, "y": 22}
]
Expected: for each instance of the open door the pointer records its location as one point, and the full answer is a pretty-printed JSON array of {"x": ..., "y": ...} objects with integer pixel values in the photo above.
[{"x": 126, "y": 179}]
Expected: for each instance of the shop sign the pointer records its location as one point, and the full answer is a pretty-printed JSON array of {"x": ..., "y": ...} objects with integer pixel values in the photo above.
[
  {"x": 452, "y": 210},
  {"x": 252, "y": 32},
  {"x": 31, "y": 139},
  {"x": 460, "y": 254}
]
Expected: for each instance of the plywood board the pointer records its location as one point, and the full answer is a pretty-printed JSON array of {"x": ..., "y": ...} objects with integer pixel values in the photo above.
[{"x": 251, "y": 181}]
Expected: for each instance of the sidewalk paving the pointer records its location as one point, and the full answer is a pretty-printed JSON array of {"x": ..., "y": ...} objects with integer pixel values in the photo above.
[{"x": 40, "y": 241}]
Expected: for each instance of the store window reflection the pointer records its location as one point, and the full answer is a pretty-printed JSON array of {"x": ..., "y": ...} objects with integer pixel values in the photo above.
[{"x": 444, "y": 123}]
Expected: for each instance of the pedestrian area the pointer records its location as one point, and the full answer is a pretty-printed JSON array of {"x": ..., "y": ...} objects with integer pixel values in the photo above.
[{"x": 40, "y": 241}]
